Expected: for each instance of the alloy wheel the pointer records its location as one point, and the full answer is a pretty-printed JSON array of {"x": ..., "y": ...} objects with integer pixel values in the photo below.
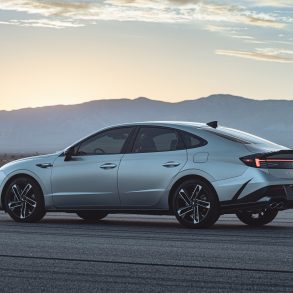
[
  {"x": 259, "y": 218},
  {"x": 24, "y": 200},
  {"x": 195, "y": 204}
]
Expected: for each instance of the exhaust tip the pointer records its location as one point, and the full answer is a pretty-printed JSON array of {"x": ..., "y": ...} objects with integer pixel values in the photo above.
[{"x": 277, "y": 205}]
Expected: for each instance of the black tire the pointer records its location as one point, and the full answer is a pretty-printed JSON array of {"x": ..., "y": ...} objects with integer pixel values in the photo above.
[
  {"x": 195, "y": 204},
  {"x": 254, "y": 219},
  {"x": 24, "y": 200},
  {"x": 92, "y": 216}
]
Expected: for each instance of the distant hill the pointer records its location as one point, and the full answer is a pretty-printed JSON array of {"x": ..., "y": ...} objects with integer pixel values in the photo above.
[{"x": 52, "y": 128}]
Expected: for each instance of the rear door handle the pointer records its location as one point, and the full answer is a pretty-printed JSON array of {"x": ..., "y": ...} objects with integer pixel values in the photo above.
[
  {"x": 171, "y": 164},
  {"x": 108, "y": 166}
]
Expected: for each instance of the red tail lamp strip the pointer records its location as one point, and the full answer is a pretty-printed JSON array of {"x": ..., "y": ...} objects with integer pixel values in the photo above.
[{"x": 259, "y": 161}]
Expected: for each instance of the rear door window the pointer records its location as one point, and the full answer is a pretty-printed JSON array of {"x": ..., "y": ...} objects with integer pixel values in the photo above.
[{"x": 157, "y": 139}]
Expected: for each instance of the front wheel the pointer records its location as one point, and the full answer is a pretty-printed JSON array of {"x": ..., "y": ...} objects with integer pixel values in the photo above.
[
  {"x": 196, "y": 204},
  {"x": 92, "y": 216},
  {"x": 24, "y": 200},
  {"x": 257, "y": 218}
]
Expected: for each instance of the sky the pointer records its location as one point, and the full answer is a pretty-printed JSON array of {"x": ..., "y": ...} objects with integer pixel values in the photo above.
[{"x": 68, "y": 52}]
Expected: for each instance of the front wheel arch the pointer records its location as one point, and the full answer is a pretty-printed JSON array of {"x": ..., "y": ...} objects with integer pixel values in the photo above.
[
  {"x": 13, "y": 178},
  {"x": 181, "y": 180}
]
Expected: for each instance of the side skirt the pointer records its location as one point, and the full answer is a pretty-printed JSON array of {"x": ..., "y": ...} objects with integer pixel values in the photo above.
[{"x": 117, "y": 211}]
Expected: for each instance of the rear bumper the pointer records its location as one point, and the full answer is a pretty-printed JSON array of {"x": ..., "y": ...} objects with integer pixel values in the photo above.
[{"x": 275, "y": 196}]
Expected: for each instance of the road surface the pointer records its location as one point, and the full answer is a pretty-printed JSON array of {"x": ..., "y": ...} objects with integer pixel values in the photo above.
[{"x": 127, "y": 253}]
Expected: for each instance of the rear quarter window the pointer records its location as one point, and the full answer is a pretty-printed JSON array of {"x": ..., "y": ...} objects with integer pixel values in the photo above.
[{"x": 192, "y": 141}]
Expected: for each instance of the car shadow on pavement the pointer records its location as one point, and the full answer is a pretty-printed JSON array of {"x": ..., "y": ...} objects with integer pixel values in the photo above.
[
  {"x": 138, "y": 221},
  {"x": 148, "y": 223}
]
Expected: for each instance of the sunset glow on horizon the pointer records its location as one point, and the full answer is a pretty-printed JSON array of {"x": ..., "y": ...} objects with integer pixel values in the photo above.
[{"x": 68, "y": 52}]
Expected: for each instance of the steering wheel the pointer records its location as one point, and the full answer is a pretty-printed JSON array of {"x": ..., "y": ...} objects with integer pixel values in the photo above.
[{"x": 99, "y": 150}]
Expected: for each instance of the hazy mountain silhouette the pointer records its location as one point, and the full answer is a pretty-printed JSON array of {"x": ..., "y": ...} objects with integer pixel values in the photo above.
[{"x": 51, "y": 128}]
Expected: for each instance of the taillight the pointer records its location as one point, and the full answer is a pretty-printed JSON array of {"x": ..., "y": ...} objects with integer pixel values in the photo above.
[
  {"x": 274, "y": 160},
  {"x": 255, "y": 162},
  {"x": 251, "y": 162}
]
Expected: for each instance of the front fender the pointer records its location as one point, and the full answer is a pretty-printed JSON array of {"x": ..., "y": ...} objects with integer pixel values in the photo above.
[{"x": 45, "y": 187}]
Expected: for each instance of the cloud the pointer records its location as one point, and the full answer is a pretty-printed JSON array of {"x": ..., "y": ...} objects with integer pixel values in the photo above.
[
  {"x": 46, "y": 8},
  {"x": 169, "y": 11},
  {"x": 255, "y": 41},
  {"x": 48, "y": 23},
  {"x": 242, "y": 19},
  {"x": 272, "y": 3},
  {"x": 243, "y": 37},
  {"x": 264, "y": 54},
  {"x": 283, "y": 42},
  {"x": 154, "y": 3},
  {"x": 240, "y": 15}
]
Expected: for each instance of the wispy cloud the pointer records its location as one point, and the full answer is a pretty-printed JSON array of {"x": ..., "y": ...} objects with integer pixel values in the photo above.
[
  {"x": 272, "y": 3},
  {"x": 48, "y": 23},
  {"x": 264, "y": 54},
  {"x": 243, "y": 37},
  {"x": 148, "y": 11},
  {"x": 241, "y": 20},
  {"x": 46, "y": 8}
]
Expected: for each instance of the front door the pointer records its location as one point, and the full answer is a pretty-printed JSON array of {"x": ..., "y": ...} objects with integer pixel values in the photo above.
[{"x": 89, "y": 178}]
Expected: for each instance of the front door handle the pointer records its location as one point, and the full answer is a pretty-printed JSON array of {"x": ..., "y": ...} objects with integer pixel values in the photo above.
[
  {"x": 171, "y": 164},
  {"x": 108, "y": 166}
]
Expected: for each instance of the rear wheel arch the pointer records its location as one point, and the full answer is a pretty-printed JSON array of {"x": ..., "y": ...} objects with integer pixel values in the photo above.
[
  {"x": 4, "y": 190},
  {"x": 181, "y": 180}
]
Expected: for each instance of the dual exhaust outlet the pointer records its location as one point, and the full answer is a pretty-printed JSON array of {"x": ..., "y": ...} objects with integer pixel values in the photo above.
[{"x": 277, "y": 205}]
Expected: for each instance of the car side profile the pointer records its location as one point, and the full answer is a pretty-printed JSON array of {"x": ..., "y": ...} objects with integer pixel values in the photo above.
[{"x": 194, "y": 171}]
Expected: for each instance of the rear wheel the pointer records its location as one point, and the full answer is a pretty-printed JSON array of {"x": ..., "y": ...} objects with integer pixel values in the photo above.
[
  {"x": 195, "y": 204},
  {"x": 92, "y": 216},
  {"x": 24, "y": 200},
  {"x": 257, "y": 218}
]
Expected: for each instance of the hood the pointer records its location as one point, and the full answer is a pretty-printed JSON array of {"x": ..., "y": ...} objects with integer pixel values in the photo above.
[{"x": 30, "y": 160}]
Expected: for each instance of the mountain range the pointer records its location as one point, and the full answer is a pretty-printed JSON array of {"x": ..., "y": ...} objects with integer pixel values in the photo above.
[{"x": 50, "y": 128}]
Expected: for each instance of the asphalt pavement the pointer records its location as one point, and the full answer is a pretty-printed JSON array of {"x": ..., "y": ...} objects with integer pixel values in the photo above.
[{"x": 134, "y": 253}]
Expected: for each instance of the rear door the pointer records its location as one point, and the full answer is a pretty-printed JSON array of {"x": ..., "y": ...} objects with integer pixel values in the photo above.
[{"x": 157, "y": 155}]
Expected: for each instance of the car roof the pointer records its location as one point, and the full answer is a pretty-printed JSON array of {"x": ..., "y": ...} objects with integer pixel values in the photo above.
[
  {"x": 165, "y": 123},
  {"x": 228, "y": 133},
  {"x": 183, "y": 125}
]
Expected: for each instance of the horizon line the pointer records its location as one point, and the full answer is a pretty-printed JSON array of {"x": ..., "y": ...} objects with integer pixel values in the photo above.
[{"x": 138, "y": 98}]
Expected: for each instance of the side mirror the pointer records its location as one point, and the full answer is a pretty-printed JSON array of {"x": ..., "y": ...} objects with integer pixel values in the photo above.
[{"x": 68, "y": 154}]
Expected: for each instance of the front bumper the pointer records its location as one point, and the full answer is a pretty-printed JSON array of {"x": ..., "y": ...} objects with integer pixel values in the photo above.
[{"x": 2, "y": 182}]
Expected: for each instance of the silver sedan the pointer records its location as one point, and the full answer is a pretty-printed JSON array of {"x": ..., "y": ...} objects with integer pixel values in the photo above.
[{"x": 194, "y": 171}]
